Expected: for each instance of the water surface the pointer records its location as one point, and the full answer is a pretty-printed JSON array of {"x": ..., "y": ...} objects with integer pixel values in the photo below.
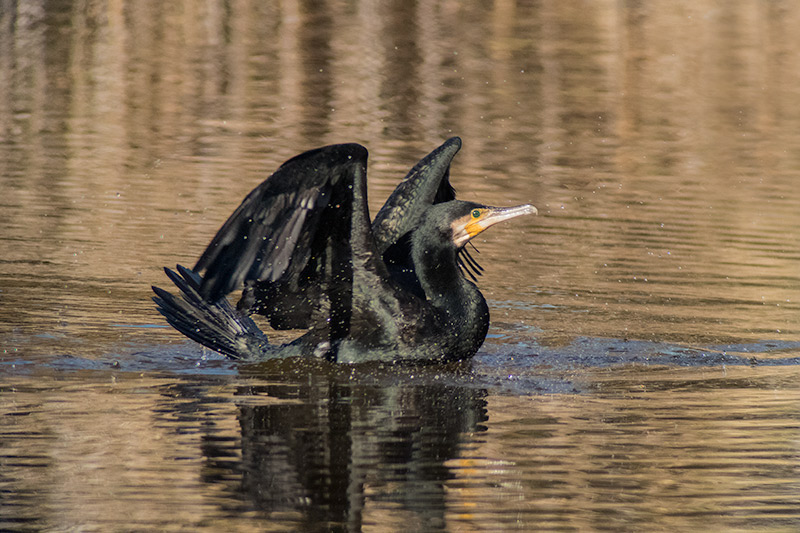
[{"x": 641, "y": 368}]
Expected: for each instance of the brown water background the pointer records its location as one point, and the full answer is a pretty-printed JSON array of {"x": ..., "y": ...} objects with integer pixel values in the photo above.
[{"x": 641, "y": 369}]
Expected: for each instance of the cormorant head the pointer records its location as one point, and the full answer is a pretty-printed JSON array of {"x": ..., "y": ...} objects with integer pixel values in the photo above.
[
  {"x": 438, "y": 242},
  {"x": 469, "y": 219}
]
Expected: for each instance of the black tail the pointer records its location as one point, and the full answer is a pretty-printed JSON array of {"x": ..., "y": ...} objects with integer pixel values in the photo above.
[{"x": 215, "y": 325}]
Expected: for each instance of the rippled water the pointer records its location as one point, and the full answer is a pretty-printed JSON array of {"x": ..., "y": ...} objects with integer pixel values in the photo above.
[{"x": 641, "y": 368}]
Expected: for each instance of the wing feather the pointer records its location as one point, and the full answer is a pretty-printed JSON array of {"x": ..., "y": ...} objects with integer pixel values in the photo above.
[
  {"x": 428, "y": 182},
  {"x": 268, "y": 239}
]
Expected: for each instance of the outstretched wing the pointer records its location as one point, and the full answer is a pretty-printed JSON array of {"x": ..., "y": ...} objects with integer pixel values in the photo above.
[
  {"x": 290, "y": 238},
  {"x": 428, "y": 182}
]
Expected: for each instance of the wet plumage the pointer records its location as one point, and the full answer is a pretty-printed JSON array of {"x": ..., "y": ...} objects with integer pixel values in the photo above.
[{"x": 304, "y": 251}]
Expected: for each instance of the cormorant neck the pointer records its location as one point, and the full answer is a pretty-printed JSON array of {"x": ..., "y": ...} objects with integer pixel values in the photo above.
[
  {"x": 438, "y": 273},
  {"x": 458, "y": 302},
  {"x": 445, "y": 286},
  {"x": 461, "y": 308}
]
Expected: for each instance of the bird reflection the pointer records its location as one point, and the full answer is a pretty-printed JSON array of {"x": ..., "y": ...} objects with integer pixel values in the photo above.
[{"x": 332, "y": 452}]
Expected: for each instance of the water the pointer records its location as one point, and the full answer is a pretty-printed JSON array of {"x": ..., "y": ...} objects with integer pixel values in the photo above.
[{"x": 641, "y": 370}]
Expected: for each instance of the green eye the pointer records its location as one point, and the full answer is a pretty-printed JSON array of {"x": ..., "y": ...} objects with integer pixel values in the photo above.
[{"x": 476, "y": 213}]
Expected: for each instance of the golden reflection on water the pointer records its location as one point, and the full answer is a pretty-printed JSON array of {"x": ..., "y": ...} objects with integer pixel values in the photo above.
[
  {"x": 660, "y": 450},
  {"x": 658, "y": 141},
  {"x": 663, "y": 165}
]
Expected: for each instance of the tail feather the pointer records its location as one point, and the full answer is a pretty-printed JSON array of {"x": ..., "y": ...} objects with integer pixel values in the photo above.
[{"x": 216, "y": 325}]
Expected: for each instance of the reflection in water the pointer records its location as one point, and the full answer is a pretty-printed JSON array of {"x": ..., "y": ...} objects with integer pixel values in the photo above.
[
  {"x": 331, "y": 451},
  {"x": 294, "y": 448}
]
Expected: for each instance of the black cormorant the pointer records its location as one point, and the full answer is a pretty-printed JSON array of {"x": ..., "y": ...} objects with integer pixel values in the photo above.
[{"x": 303, "y": 248}]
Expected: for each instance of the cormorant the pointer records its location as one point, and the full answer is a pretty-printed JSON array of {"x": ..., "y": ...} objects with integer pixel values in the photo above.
[{"x": 303, "y": 247}]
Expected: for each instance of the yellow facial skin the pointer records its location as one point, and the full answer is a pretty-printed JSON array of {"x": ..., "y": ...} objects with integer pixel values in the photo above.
[
  {"x": 480, "y": 219},
  {"x": 474, "y": 225}
]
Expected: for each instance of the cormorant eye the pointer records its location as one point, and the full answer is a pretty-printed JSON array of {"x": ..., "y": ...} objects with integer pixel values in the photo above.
[{"x": 476, "y": 213}]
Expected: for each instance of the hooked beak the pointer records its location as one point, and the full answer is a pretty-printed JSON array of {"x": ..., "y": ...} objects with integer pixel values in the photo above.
[{"x": 464, "y": 230}]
